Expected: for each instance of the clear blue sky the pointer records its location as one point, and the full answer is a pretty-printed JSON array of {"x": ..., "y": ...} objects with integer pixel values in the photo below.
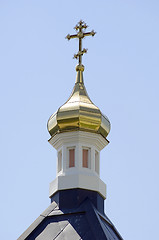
[{"x": 121, "y": 75}]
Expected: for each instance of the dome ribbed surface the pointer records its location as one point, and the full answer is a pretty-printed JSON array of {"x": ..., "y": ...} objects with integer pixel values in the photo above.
[{"x": 79, "y": 113}]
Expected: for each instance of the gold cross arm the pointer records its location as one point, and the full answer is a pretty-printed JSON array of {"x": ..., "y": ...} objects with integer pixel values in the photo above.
[{"x": 80, "y": 35}]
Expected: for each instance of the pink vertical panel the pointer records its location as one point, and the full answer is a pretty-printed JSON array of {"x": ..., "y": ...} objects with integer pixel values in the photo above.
[
  {"x": 59, "y": 161},
  {"x": 85, "y": 158},
  {"x": 97, "y": 162},
  {"x": 71, "y": 158}
]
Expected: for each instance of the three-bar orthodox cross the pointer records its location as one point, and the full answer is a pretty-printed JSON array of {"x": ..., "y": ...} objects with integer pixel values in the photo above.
[{"x": 80, "y": 35}]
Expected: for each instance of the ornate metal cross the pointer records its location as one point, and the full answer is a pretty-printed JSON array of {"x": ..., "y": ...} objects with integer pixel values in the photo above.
[{"x": 80, "y": 35}]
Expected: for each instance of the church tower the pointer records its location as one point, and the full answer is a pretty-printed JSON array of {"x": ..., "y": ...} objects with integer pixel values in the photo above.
[{"x": 78, "y": 132}]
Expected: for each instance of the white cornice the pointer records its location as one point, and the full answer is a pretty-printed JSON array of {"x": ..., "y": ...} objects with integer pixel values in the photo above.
[
  {"x": 78, "y": 136},
  {"x": 78, "y": 181}
]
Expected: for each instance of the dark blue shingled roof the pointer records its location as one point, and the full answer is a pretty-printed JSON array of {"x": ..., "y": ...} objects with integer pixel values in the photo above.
[{"x": 84, "y": 222}]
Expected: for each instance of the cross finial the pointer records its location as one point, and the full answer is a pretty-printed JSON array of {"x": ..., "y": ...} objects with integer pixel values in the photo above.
[{"x": 80, "y": 35}]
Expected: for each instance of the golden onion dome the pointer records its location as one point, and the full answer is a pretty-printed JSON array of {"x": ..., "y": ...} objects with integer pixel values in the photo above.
[{"x": 79, "y": 113}]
